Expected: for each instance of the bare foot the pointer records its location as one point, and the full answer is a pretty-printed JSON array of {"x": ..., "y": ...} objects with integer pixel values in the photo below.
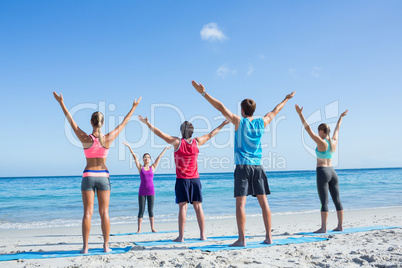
[
  {"x": 338, "y": 229},
  {"x": 203, "y": 237},
  {"x": 238, "y": 243},
  {"x": 154, "y": 231},
  {"x": 268, "y": 240},
  {"x": 106, "y": 249},
  {"x": 84, "y": 251},
  {"x": 321, "y": 231},
  {"x": 179, "y": 239},
  {"x": 139, "y": 231}
]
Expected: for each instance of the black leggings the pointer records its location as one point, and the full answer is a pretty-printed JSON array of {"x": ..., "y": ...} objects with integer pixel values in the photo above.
[
  {"x": 327, "y": 179},
  {"x": 141, "y": 202}
]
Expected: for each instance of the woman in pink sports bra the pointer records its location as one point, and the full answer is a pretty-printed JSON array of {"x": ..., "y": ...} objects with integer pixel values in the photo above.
[
  {"x": 146, "y": 191},
  {"x": 96, "y": 174}
]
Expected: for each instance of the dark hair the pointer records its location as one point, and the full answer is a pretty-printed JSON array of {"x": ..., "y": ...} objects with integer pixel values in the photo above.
[
  {"x": 97, "y": 121},
  {"x": 187, "y": 130},
  {"x": 146, "y": 154},
  {"x": 327, "y": 130},
  {"x": 248, "y": 106}
]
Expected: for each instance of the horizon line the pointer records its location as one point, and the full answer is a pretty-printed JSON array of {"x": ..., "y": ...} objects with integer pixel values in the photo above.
[{"x": 200, "y": 173}]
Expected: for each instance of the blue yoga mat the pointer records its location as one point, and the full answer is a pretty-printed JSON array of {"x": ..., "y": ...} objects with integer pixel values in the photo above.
[
  {"x": 60, "y": 254},
  {"x": 193, "y": 240},
  {"x": 352, "y": 230},
  {"x": 161, "y": 232},
  {"x": 289, "y": 240}
]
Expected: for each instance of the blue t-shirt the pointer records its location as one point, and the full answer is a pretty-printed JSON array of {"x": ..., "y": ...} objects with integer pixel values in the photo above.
[{"x": 247, "y": 149}]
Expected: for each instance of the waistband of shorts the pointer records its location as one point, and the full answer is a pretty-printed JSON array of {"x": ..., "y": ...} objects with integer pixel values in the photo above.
[
  {"x": 252, "y": 166},
  {"x": 324, "y": 168},
  {"x": 95, "y": 173}
]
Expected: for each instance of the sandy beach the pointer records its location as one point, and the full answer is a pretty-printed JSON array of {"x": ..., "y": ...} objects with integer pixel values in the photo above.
[{"x": 379, "y": 248}]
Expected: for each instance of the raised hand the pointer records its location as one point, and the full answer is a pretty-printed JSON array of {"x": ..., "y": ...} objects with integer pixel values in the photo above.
[
  {"x": 57, "y": 97},
  {"x": 142, "y": 119},
  {"x": 125, "y": 143},
  {"x": 289, "y": 96},
  {"x": 224, "y": 123},
  {"x": 344, "y": 113},
  {"x": 135, "y": 103},
  {"x": 298, "y": 109},
  {"x": 199, "y": 87}
]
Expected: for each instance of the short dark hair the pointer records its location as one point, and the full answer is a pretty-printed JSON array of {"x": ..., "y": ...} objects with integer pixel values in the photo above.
[
  {"x": 187, "y": 130},
  {"x": 248, "y": 106},
  {"x": 146, "y": 154}
]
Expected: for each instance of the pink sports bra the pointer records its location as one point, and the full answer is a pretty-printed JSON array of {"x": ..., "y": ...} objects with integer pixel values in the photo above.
[{"x": 96, "y": 150}]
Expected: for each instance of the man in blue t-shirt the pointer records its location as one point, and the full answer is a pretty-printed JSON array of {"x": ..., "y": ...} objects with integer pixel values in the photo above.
[{"x": 249, "y": 176}]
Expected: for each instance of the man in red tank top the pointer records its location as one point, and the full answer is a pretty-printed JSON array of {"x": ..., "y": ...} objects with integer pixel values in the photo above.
[{"x": 188, "y": 184}]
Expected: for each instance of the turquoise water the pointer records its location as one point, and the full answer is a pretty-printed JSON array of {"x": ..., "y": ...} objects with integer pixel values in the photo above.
[{"x": 35, "y": 202}]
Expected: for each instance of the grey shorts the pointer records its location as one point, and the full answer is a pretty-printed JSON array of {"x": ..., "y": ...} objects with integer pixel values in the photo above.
[
  {"x": 93, "y": 183},
  {"x": 250, "y": 180}
]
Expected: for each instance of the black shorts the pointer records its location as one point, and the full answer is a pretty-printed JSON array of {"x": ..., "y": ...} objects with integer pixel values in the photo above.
[
  {"x": 250, "y": 180},
  {"x": 188, "y": 190}
]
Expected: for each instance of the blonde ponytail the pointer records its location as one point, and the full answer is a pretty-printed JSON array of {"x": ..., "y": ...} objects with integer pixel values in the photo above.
[{"x": 100, "y": 121}]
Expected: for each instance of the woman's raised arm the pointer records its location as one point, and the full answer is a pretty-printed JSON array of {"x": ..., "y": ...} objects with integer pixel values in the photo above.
[
  {"x": 156, "y": 163},
  {"x": 81, "y": 135},
  {"x": 112, "y": 135},
  {"x": 338, "y": 125},
  {"x": 137, "y": 163},
  {"x": 314, "y": 136}
]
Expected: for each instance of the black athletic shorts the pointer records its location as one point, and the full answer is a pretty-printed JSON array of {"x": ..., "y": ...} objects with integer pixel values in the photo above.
[{"x": 250, "y": 180}]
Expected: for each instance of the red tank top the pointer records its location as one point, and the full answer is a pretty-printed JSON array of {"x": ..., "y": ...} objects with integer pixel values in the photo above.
[{"x": 185, "y": 158}]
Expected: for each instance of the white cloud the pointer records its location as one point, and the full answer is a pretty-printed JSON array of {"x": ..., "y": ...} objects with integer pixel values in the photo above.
[
  {"x": 292, "y": 72},
  {"x": 224, "y": 71},
  {"x": 250, "y": 69},
  {"x": 316, "y": 71},
  {"x": 211, "y": 32}
]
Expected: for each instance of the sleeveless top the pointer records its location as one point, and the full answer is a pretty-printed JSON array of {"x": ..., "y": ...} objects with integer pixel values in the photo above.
[
  {"x": 326, "y": 154},
  {"x": 185, "y": 158},
  {"x": 247, "y": 145},
  {"x": 147, "y": 182},
  {"x": 96, "y": 150}
]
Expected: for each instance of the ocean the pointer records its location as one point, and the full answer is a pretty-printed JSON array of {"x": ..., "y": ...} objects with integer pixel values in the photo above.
[{"x": 41, "y": 202}]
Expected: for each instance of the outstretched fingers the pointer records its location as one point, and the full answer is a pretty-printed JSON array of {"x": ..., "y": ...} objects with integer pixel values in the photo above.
[
  {"x": 142, "y": 119},
  {"x": 298, "y": 109},
  {"x": 199, "y": 87},
  {"x": 289, "y": 96},
  {"x": 137, "y": 102},
  {"x": 344, "y": 113},
  {"x": 59, "y": 98}
]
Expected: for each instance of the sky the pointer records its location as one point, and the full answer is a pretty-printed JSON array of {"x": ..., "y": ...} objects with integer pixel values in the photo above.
[{"x": 102, "y": 55}]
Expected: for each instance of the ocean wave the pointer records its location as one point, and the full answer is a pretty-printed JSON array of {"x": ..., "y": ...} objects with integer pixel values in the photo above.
[{"x": 59, "y": 223}]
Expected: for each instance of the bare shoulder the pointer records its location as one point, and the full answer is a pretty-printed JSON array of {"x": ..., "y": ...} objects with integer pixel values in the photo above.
[{"x": 176, "y": 143}]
